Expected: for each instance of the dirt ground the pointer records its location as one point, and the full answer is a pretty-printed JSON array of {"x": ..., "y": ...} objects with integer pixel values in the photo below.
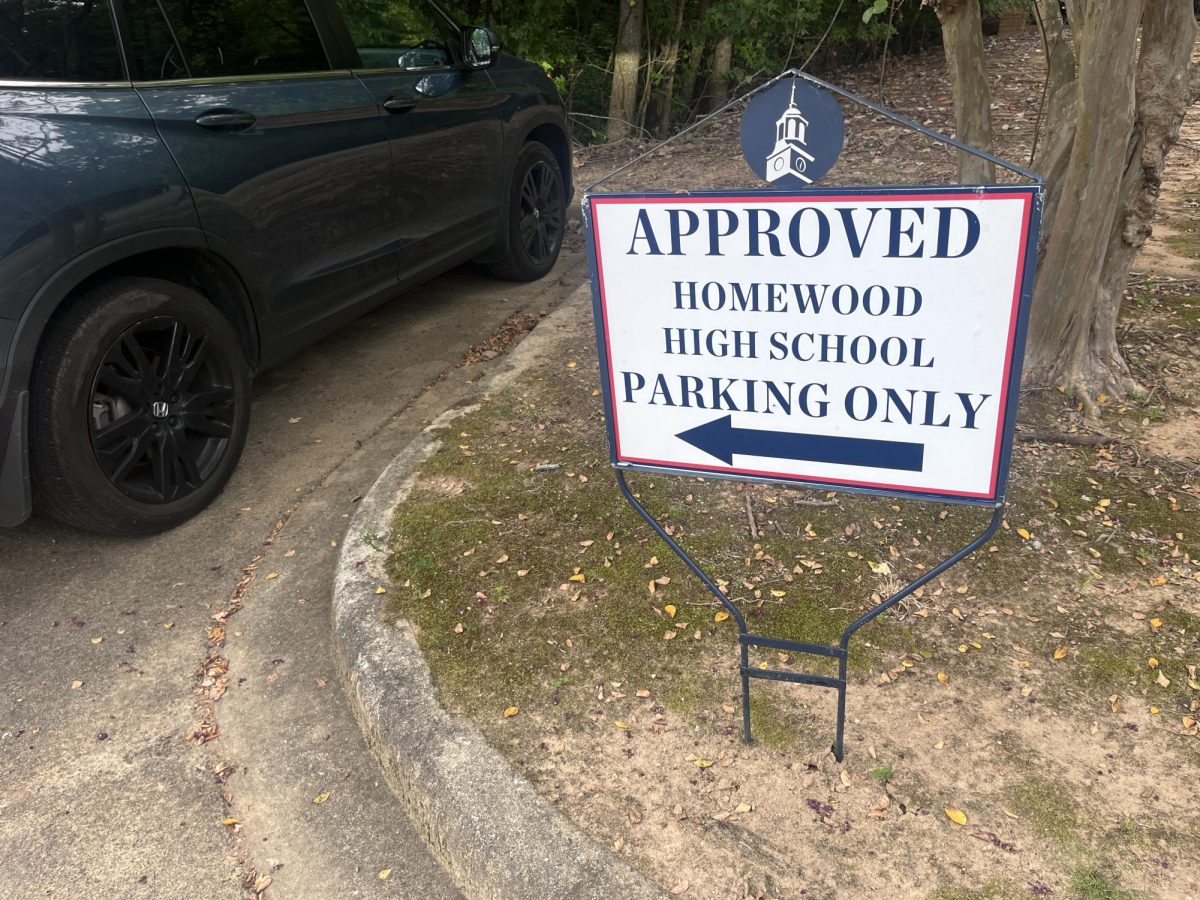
[{"x": 1026, "y": 726}]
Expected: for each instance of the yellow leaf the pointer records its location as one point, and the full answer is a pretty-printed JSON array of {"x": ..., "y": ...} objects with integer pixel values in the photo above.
[
  {"x": 1156, "y": 624},
  {"x": 511, "y": 711},
  {"x": 385, "y": 874},
  {"x": 381, "y": 590},
  {"x": 880, "y": 568},
  {"x": 778, "y": 593},
  {"x": 963, "y": 648},
  {"x": 1154, "y": 710},
  {"x": 1060, "y": 653},
  {"x": 620, "y": 724},
  {"x": 943, "y": 677},
  {"x": 702, "y": 763},
  {"x": 977, "y": 645},
  {"x": 721, "y": 616},
  {"x": 272, "y": 576},
  {"x": 1023, "y": 533},
  {"x": 321, "y": 797},
  {"x": 1114, "y": 703},
  {"x": 669, "y": 610},
  {"x": 1159, "y": 581},
  {"x": 578, "y": 578},
  {"x": 1152, "y": 663},
  {"x": 229, "y": 821},
  {"x": 957, "y": 816},
  {"x": 97, "y": 640}
]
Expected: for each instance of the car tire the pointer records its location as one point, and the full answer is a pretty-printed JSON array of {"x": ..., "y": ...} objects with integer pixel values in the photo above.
[
  {"x": 139, "y": 410},
  {"x": 537, "y": 216}
]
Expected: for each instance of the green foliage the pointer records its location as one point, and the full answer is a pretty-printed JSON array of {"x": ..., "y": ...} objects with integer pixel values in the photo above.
[{"x": 573, "y": 42}]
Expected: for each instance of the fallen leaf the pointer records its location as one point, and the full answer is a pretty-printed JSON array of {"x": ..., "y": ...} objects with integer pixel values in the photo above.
[
  {"x": 845, "y": 776},
  {"x": 957, "y": 816},
  {"x": 230, "y": 821},
  {"x": 381, "y": 589},
  {"x": 669, "y": 609},
  {"x": 943, "y": 677},
  {"x": 580, "y": 578},
  {"x": 1152, "y": 663},
  {"x": 76, "y": 685},
  {"x": 1060, "y": 653},
  {"x": 1023, "y": 533},
  {"x": 321, "y": 797},
  {"x": 721, "y": 616},
  {"x": 1011, "y": 815},
  {"x": 271, "y": 576},
  {"x": 1163, "y": 680},
  {"x": 621, "y": 725},
  {"x": 385, "y": 874},
  {"x": 97, "y": 640},
  {"x": 702, "y": 763},
  {"x": 458, "y": 629},
  {"x": 511, "y": 711},
  {"x": 1156, "y": 624},
  {"x": 669, "y": 635},
  {"x": 680, "y": 888}
]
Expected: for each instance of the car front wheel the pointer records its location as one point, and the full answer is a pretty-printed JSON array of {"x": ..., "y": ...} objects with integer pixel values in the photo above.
[
  {"x": 140, "y": 408},
  {"x": 537, "y": 216}
]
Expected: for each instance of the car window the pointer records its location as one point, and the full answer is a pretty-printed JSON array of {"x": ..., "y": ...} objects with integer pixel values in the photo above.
[
  {"x": 396, "y": 34},
  {"x": 228, "y": 38},
  {"x": 58, "y": 40}
]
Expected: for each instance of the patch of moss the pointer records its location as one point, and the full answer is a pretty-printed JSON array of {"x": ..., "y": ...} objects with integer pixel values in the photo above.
[
  {"x": 1047, "y": 805},
  {"x": 990, "y": 890},
  {"x": 1092, "y": 883}
]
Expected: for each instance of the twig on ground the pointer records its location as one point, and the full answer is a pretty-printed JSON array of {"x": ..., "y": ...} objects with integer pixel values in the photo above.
[
  {"x": 1061, "y": 437},
  {"x": 750, "y": 516}
]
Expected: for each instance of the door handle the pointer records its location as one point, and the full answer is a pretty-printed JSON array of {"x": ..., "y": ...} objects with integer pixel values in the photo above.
[
  {"x": 225, "y": 120},
  {"x": 396, "y": 105}
]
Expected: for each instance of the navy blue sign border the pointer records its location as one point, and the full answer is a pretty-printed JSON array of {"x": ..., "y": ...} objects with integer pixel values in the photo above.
[{"x": 1035, "y": 193}]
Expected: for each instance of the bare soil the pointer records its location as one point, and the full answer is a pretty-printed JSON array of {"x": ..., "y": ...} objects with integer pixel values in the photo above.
[{"x": 1026, "y": 726}]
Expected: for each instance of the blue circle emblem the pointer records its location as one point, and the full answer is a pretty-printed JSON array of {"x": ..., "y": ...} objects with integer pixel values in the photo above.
[{"x": 792, "y": 134}]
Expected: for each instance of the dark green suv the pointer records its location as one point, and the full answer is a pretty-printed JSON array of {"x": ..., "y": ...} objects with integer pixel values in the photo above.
[{"x": 193, "y": 191}]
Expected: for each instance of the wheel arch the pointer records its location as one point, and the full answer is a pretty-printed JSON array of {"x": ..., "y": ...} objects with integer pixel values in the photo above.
[{"x": 180, "y": 255}]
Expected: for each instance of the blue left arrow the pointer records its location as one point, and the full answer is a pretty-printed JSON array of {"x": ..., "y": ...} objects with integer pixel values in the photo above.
[{"x": 720, "y": 439}]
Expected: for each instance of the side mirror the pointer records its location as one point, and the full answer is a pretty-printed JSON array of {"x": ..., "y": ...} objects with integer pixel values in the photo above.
[{"x": 480, "y": 46}]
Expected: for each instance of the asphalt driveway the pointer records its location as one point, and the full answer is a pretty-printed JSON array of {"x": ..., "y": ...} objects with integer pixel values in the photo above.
[{"x": 103, "y": 793}]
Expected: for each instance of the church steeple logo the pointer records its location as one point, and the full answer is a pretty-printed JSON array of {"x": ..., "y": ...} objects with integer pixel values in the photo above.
[
  {"x": 792, "y": 133},
  {"x": 790, "y": 156}
]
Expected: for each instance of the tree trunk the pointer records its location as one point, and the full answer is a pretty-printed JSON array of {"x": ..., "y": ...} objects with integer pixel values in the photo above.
[
  {"x": 718, "y": 89},
  {"x": 626, "y": 61},
  {"x": 962, "y": 37},
  {"x": 1129, "y": 110},
  {"x": 670, "y": 64},
  {"x": 1057, "y": 128},
  {"x": 691, "y": 69}
]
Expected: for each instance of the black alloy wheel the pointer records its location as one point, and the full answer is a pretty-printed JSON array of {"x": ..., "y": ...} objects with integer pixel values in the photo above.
[
  {"x": 542, "y": 212},
  {"x": 139, "y": 407},
  {"x": 537, "y": 216},
  {"x": 161, "y": 410}
]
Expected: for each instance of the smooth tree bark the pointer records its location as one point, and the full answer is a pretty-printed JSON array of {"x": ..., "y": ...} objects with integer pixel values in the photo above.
[
  {"x": 670, "y": 66},
  {"x": 1130, "y": 98},
  {"x": 718, "y": 89},
  {"x": 622, "y": 105},
  {"x": 962, "y": 38}
]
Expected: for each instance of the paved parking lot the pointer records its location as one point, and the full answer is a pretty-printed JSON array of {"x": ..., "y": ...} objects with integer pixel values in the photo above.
[{"x": 101, "y": 639}]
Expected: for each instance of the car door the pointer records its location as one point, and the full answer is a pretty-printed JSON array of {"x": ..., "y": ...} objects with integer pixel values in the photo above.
[
  {"x": 442, "y": 119},
  {"x": 287, "y": 159}
]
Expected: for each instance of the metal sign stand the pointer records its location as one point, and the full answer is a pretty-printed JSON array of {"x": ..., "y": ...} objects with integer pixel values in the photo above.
[{"x": 840, "y": 652}]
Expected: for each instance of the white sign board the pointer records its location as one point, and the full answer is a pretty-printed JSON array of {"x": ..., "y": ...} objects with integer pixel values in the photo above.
[{"x": 862, "y": 339}]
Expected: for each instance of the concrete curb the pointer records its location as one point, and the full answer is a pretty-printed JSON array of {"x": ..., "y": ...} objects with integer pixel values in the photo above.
[{"x": 485, "y": 823}]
